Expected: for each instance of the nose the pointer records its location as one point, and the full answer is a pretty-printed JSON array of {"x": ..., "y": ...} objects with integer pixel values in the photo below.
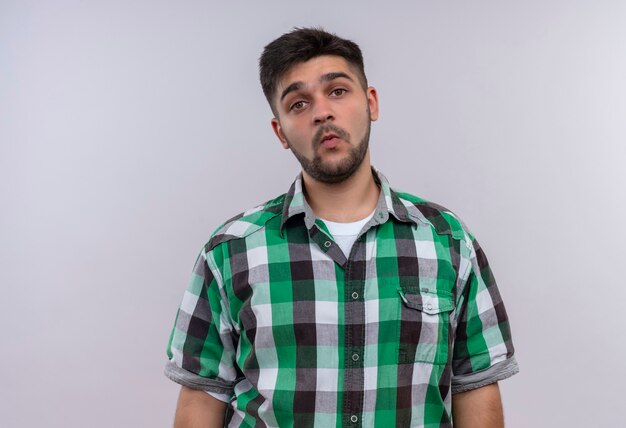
[{"x": 322, "y": 111}]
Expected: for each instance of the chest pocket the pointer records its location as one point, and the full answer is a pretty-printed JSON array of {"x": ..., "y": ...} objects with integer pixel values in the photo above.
[{"x": 425, "y": 326}]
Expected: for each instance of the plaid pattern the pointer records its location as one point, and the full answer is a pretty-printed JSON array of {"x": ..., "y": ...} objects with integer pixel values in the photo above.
[{"x": 297, "y": 334}]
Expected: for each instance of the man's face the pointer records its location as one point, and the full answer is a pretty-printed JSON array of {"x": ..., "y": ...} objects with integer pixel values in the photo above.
[{"x": 324, "y": 117}]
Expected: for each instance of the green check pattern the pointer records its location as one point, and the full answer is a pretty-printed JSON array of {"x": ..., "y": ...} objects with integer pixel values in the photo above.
[{"x": 295, "y": 334}]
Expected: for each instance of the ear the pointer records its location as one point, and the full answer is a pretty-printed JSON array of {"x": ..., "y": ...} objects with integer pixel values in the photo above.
[
  {"x": 372, "y": 101},
  {"x": 279, "y": 133}
]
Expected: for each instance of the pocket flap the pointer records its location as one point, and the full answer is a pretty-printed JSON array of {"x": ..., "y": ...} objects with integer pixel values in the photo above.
[{"x": 429, "y": 303}]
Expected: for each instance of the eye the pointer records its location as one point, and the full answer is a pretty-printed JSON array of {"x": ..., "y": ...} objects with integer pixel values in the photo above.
[
  {"x": 298, "y": 105},
  {"x": 338, "y": 92}
]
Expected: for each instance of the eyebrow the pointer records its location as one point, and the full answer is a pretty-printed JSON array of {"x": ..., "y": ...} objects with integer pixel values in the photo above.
[{"x": 325, "y": 78}]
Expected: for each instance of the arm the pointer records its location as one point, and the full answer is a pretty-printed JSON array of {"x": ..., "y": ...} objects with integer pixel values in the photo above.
[
  {"x": 201, "y": 350},
  {"x": 478, "y": 408},
  {"x": 197, "y": 409},
  {"x": 483, "y": 352}
]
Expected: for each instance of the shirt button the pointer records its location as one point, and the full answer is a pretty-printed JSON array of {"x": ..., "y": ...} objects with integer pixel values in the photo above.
[
  {"x": 429, "y": 306},
  {"x": 327, "y": 244},
  {"x": 355, "y": 357},
  {"x": 354, "y": 418},
  {"x": 355, "y": 295}
]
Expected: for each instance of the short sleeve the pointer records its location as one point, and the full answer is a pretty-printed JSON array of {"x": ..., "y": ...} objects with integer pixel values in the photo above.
[
  {"x": 483, "y": 349},
  {"x": 201, "y": 348}
]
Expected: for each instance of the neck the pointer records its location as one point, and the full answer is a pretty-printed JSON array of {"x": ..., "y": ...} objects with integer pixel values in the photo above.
[{"x": 348, "y": 201}]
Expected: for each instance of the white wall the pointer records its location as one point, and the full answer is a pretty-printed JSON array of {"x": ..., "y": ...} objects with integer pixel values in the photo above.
[{"x": 130, "y": 129}]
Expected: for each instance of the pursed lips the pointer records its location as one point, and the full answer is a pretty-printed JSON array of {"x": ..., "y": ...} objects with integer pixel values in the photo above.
[
  {"x": 329, "y": 136},
  {"x": 329, "y": 141}
]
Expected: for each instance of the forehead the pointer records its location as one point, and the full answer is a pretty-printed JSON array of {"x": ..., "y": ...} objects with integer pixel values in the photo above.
[{"x": 310, "y": 72}]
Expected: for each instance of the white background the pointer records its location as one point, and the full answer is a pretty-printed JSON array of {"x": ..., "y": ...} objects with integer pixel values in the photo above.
[{"x": 129, "y": 130}]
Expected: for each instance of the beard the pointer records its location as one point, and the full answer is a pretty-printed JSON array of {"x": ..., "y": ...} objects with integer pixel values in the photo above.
[{"x": 332, "y": 173}]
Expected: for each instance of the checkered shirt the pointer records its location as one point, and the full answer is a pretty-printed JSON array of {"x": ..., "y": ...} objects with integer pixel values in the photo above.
[{"x": 277, "y": 318}]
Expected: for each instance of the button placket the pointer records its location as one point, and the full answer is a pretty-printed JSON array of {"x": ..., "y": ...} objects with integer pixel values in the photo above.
[{"x": 355, "y": 275}]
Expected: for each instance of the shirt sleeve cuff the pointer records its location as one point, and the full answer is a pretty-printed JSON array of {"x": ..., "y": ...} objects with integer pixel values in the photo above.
[
  {"x": 226, "y": 398},
  {"x": 193, "y": 381},
  {"x": 495, "y": 373}
]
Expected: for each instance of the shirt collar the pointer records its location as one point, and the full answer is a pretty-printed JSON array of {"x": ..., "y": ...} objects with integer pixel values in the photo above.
[{"x": 389, "y": 203}]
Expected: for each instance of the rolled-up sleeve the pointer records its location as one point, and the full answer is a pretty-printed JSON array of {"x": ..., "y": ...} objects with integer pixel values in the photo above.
[
  {"x": 201, "y": 349},
  {"x": 483, "y": 349}
]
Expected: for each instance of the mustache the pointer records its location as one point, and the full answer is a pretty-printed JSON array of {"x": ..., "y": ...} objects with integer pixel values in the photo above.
[{"x": 332, "y": 129}]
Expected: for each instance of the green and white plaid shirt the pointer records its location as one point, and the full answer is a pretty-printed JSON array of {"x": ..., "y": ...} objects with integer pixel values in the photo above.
[{"x": 277, "y": 318}]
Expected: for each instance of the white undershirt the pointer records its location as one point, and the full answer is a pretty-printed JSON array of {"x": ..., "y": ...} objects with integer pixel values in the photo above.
[{"x": 345, "y": 234}]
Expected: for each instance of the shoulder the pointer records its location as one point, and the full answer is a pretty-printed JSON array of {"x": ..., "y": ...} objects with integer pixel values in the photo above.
[
  {"x": 442, "y": 219},
  {"x": 246, "y": 223}
]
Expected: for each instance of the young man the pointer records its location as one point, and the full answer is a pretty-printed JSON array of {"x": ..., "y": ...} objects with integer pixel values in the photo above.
[{"x": 341, "y": 302}]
